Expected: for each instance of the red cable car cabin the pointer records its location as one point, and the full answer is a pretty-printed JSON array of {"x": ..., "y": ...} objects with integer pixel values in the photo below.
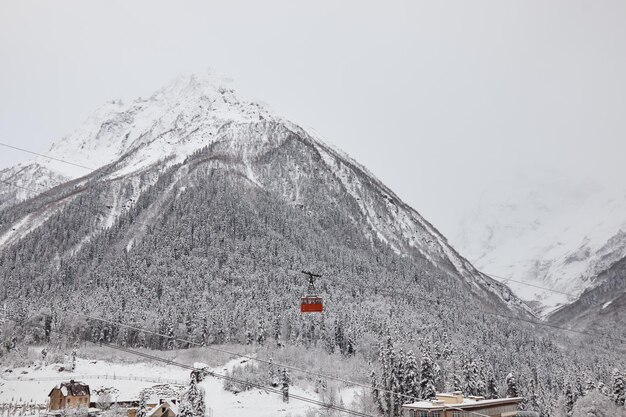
[{"x": 311, "y": 303}]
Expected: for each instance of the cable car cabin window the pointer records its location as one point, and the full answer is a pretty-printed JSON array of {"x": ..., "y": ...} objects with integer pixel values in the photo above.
[{"x": 311, "y": 305}]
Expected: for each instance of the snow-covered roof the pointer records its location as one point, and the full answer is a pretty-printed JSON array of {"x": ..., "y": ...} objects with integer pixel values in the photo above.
[
  {"x": 72, "y": 388},
  {"x": 466, "y": 403},
  {"x": 164, "y": 403}
]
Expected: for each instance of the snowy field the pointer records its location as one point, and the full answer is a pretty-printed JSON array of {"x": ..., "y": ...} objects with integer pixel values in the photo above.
[{"x": 33, "y": 384}]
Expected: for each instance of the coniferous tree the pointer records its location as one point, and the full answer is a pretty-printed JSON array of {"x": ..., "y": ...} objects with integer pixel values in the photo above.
[
  {"x": 396, "y": 379},
  {"x": 378, "y": 401},
  {"x": 457, "y": 385},
  {"x": 511, "y": 385},
  {"x": 590, "y": 385},
  {"x": 272, "y": 375},
  {"x": 192, "y": 403},
  {"x": 427, "y": 383},
  {"x": 479, "y": 377},
  {"x": 141, "y": 410},
  {"x": 260, "y": 335},
  {"x": 619, "y": 388},
  {"x": 469, "y": 377},
  {"x": 285, "y": 380},
  {"x": 570, "y": 399},
  {"x": 491, "y": 389},
  {"x": 411, "y": 381},
  {"x": 73, "y": 366}
]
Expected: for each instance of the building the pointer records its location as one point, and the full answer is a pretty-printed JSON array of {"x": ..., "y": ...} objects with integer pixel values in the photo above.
[
  {"x": 73, "y": 394},
  {"x": 456, "y": 405},
  {"x": 158, "y": 408}
]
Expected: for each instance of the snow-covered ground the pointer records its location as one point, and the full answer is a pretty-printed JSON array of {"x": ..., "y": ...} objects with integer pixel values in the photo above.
[{"x": 33, "y": 384}]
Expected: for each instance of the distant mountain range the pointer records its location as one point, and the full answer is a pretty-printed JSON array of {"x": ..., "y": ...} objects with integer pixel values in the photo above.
[{"x": 550, "y": 231}]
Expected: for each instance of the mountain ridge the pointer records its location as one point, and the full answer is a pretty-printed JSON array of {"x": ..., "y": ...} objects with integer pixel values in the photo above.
[{"x": 195, "y": 112}]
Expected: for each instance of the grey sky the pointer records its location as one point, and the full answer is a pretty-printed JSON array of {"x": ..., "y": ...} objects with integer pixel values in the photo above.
[{"x": 435, "y": 97}]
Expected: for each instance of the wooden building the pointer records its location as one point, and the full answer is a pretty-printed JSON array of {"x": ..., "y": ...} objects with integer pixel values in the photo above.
[{"x": 73, "y": 394}]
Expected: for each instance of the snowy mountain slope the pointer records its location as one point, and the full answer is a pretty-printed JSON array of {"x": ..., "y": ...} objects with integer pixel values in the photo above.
[
  {"x": 548, "y": 231},
  {"x": 601, "y": 308},
  {"x": 26, "y": 180},
  {"x": 137, "y": 141}
]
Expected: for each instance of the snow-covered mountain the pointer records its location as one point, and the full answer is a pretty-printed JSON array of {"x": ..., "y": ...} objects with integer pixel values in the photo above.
[
  {"x": 546, "y": 230},
  {"x": 174, "y": 122},
  {"x": 201, "y": 213},
  {"x": 131, "y": 144}
]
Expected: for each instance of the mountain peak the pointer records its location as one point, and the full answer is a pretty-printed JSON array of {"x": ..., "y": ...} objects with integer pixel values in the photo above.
[
  {"x": 192, "y": 86},
  {"x": 176, "y": 120}
]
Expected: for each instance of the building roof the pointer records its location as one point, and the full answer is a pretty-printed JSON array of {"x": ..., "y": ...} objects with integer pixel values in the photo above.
[
  {"x": 72, "y": 389},
  {"x": 467, "y": 403},
  {"x": 168, "y": 403}
]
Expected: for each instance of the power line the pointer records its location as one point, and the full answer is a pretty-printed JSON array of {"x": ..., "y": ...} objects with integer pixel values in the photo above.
[
  {"x": 224, "y": 377},
  {"x": 544, "y": 324},
  {"x": 530, "y": 285},
  {"x": 93, "y": 169},
  {"x": 436, "y": 300},
  {"x": 265, "y": 361},
  {"x": 239, "y": 381},
  {"x": 46, "y": 156},
  {"x": 246, "y": 382},
  {"x": 509, "y": 317}
]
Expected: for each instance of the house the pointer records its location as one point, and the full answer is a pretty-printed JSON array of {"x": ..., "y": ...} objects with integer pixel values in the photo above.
[
  {"x": 158, "y": 408},
  {"x": 456, "y": 405},
  {"x": 73, "y": 394}
]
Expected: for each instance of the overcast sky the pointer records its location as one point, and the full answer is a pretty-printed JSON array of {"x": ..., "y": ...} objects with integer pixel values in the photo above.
[{"x": 436, "y": 98}]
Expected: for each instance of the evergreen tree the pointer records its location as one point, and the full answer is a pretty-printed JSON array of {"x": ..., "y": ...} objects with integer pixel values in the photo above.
[
  {"x": 395, "y": 384},
  {"x": 73, "y": 367},
  {"x": 411, "y": 381},
  {"x": 260, "y": 334},
  {"x": 427, "y": 383},
  {"x": 590, "y": 385},
  {"x": 376, "y": 393},
  {"x": 285, "y": 380},
  {"x": 469, "y": 378},
  {"x": 511, "y": 385},
  {"x": 491, "y": 389},
  {"x": 479, "y": 377},
  {"x": 273, "y": 377},
  {"x": 570, "y": 399},
  {"x": 192, "y": 404},
  {"x": 619, "y": 388},
  {"x": 142, "y": 411}
]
